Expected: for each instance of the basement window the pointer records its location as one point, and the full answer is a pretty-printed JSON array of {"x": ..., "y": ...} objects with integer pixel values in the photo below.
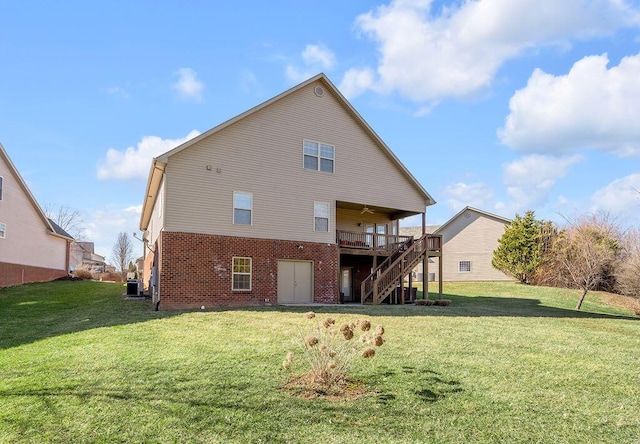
[
  {"x": 241, "y": 274},
  {"x": 3, "y": 230},
  {"x": 464, "y": 267}
]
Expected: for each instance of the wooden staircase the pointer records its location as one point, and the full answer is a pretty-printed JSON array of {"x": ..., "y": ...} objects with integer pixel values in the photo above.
[{"x": 390, "y": 274}]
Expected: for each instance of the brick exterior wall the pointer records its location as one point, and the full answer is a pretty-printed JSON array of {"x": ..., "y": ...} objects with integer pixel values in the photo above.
[
  {"x": 196, "y": 269},
  {"x": 361, "y": 267},
  {"x": 16, "y": 274}
]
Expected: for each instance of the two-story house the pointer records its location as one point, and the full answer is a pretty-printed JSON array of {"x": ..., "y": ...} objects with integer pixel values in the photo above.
[
  {"x": 296, "y": 200},
  {"x": 84, "y": 257},
  {"x": 33, "y": 248}
]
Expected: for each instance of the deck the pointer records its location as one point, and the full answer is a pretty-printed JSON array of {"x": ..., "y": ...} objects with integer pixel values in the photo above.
[{"x": 380, "y": 244}]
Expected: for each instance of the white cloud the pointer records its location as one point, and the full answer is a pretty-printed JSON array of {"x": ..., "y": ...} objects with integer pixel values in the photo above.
[
  {"x": 429, "y": 55},
  {"x": 356, "y": 81},
  {"x": 530, "y": 180},
  {"x": 460, "y": 195},
  {"x": 315, "y": 58},
  {"x": 590, "y": 107},
  {"x": 319, "y": 55},
  {"x": 249, "y": 83},
  {"x": 134, "y": 162},
  {"x": 188, "y": 85},
  {"x": 621, "y": 197},
  {"x": 103, "y": 227},
  {"x": 116, "y": 90}
]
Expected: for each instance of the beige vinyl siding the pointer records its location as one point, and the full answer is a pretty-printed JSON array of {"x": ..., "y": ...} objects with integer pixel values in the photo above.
[
  {"x": 262, "y": 154},
  {"x": 470, "y": 237},
  {"x": 348, "y": 220},
  {"x": 26, "y": 241},
  {"x": 157, "y": 220}
]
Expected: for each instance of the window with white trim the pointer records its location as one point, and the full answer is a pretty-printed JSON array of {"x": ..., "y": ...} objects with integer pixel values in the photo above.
[
  {"x": 3, "y": 230},
  {"x": 318, "y": 156},
  {"x": 320, "y": 216},
  {"x": 464, "y": 267},
  {"x": 242, "y": 208},
  {"x": 241, "y": 276}
]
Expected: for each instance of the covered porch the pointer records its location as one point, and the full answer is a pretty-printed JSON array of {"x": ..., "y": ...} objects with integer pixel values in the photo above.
[{"x": 369, "y": 241}]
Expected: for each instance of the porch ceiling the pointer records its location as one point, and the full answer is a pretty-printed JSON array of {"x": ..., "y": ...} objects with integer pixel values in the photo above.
[{"x": 394, "y": 213}]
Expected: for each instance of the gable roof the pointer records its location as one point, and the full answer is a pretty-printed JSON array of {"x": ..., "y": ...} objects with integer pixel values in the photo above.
[
  {"x": 51, "y": 226},
  {"x": 467, "y": 208},
  {"x": 57, "y": 229},
  {"x": 159, "y": 163}
]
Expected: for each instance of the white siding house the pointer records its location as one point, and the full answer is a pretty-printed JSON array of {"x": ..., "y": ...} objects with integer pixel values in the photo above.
[{"x": 32, "y": 247}]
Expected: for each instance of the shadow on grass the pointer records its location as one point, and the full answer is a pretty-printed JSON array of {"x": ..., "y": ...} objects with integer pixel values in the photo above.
[
  {"x": 429, "y": 386},
  {"x": 33, "y": 312},
  {"x": 466, "y": 306}
]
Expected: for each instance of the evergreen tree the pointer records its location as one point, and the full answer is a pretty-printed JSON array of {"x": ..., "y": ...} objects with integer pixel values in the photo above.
[{"x": 520, "y": 249}]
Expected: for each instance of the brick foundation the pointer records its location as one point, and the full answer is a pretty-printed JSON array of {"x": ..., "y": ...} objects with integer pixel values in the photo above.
[
  {"x": 16, "y": 274},
  {"x": 196, "y": 269}
]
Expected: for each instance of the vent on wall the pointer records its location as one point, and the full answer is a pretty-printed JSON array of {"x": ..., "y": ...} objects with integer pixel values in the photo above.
[{"x": 318, "y": 91}]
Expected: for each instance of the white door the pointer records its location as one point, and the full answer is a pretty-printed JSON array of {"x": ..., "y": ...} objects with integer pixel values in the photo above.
[{"x": 295, "y": 282}]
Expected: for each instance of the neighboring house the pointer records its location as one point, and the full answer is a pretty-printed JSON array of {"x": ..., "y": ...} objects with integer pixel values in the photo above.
[
  {"x": 468, "y": 241},
  {"x": 33, "y": 248},
  {"x": 83, "y": 256},
  {"x": 296, "y": 200}
]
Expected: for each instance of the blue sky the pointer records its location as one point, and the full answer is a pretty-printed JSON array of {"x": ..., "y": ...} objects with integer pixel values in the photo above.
[{"x": 503, "y": 105}]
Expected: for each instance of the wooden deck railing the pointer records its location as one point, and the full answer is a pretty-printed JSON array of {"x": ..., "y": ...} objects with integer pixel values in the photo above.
[
  {"x": 392, "y": 271},
  {"x": 370, "y": 241},
  {"x": 385, "y": 242}
]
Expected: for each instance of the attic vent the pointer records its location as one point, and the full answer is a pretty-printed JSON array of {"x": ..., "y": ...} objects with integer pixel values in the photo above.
[{"x": 318, "y": 91}]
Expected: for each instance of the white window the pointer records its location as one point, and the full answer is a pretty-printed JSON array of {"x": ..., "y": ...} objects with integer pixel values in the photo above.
[
  {"x": 321, "y": 216},
  {"x": 3, "y": 230},
  {"x": 318, "y": 156},
  {"x": 242, "y": 208},
  {"x": 464, "y": 267},
  {"x": 241, "y": 274}
]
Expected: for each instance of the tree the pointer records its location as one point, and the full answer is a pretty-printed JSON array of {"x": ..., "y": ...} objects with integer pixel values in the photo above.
[
  {"x": 586, "y": 254},
  {"x": 628, "y": 271},
  {"x": 67, "y": 218},
  {"x": 520, "y": 249},
  {"x": 122, "y": 254}
]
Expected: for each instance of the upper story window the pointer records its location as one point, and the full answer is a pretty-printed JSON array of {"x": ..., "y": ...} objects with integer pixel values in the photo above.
[
  {"x": 464, "y": 267},
  {"x": 321, "y": 216},
  {"x": 3, "y": 230},
  {"x": 318, "y": 156},
  {"x": 242, "y": 208},
  {"x": 0, "y": 187}
]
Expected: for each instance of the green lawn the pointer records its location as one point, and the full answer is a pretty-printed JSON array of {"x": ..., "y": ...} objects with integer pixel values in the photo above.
[{"x": 503, "y": 363}]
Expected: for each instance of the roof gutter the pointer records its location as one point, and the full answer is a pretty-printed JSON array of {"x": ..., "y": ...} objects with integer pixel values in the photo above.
[{"x": 151, "y": 194}]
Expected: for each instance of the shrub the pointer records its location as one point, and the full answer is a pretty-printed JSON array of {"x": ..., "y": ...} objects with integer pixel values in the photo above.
[
  {"x": 329, "y": 351},
  {"x": 83, "y": 273}
]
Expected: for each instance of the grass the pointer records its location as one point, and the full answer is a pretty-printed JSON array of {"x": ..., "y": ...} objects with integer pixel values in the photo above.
[{"x": 503, "y": 363}]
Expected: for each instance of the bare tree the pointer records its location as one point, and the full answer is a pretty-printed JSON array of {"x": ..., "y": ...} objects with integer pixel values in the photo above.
[
  {"x": 586, "y": 253},
  {"x": 628, "y": 272},
  {"x": 67, "y": 218},
  {"x": 122, "y": 254}
]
